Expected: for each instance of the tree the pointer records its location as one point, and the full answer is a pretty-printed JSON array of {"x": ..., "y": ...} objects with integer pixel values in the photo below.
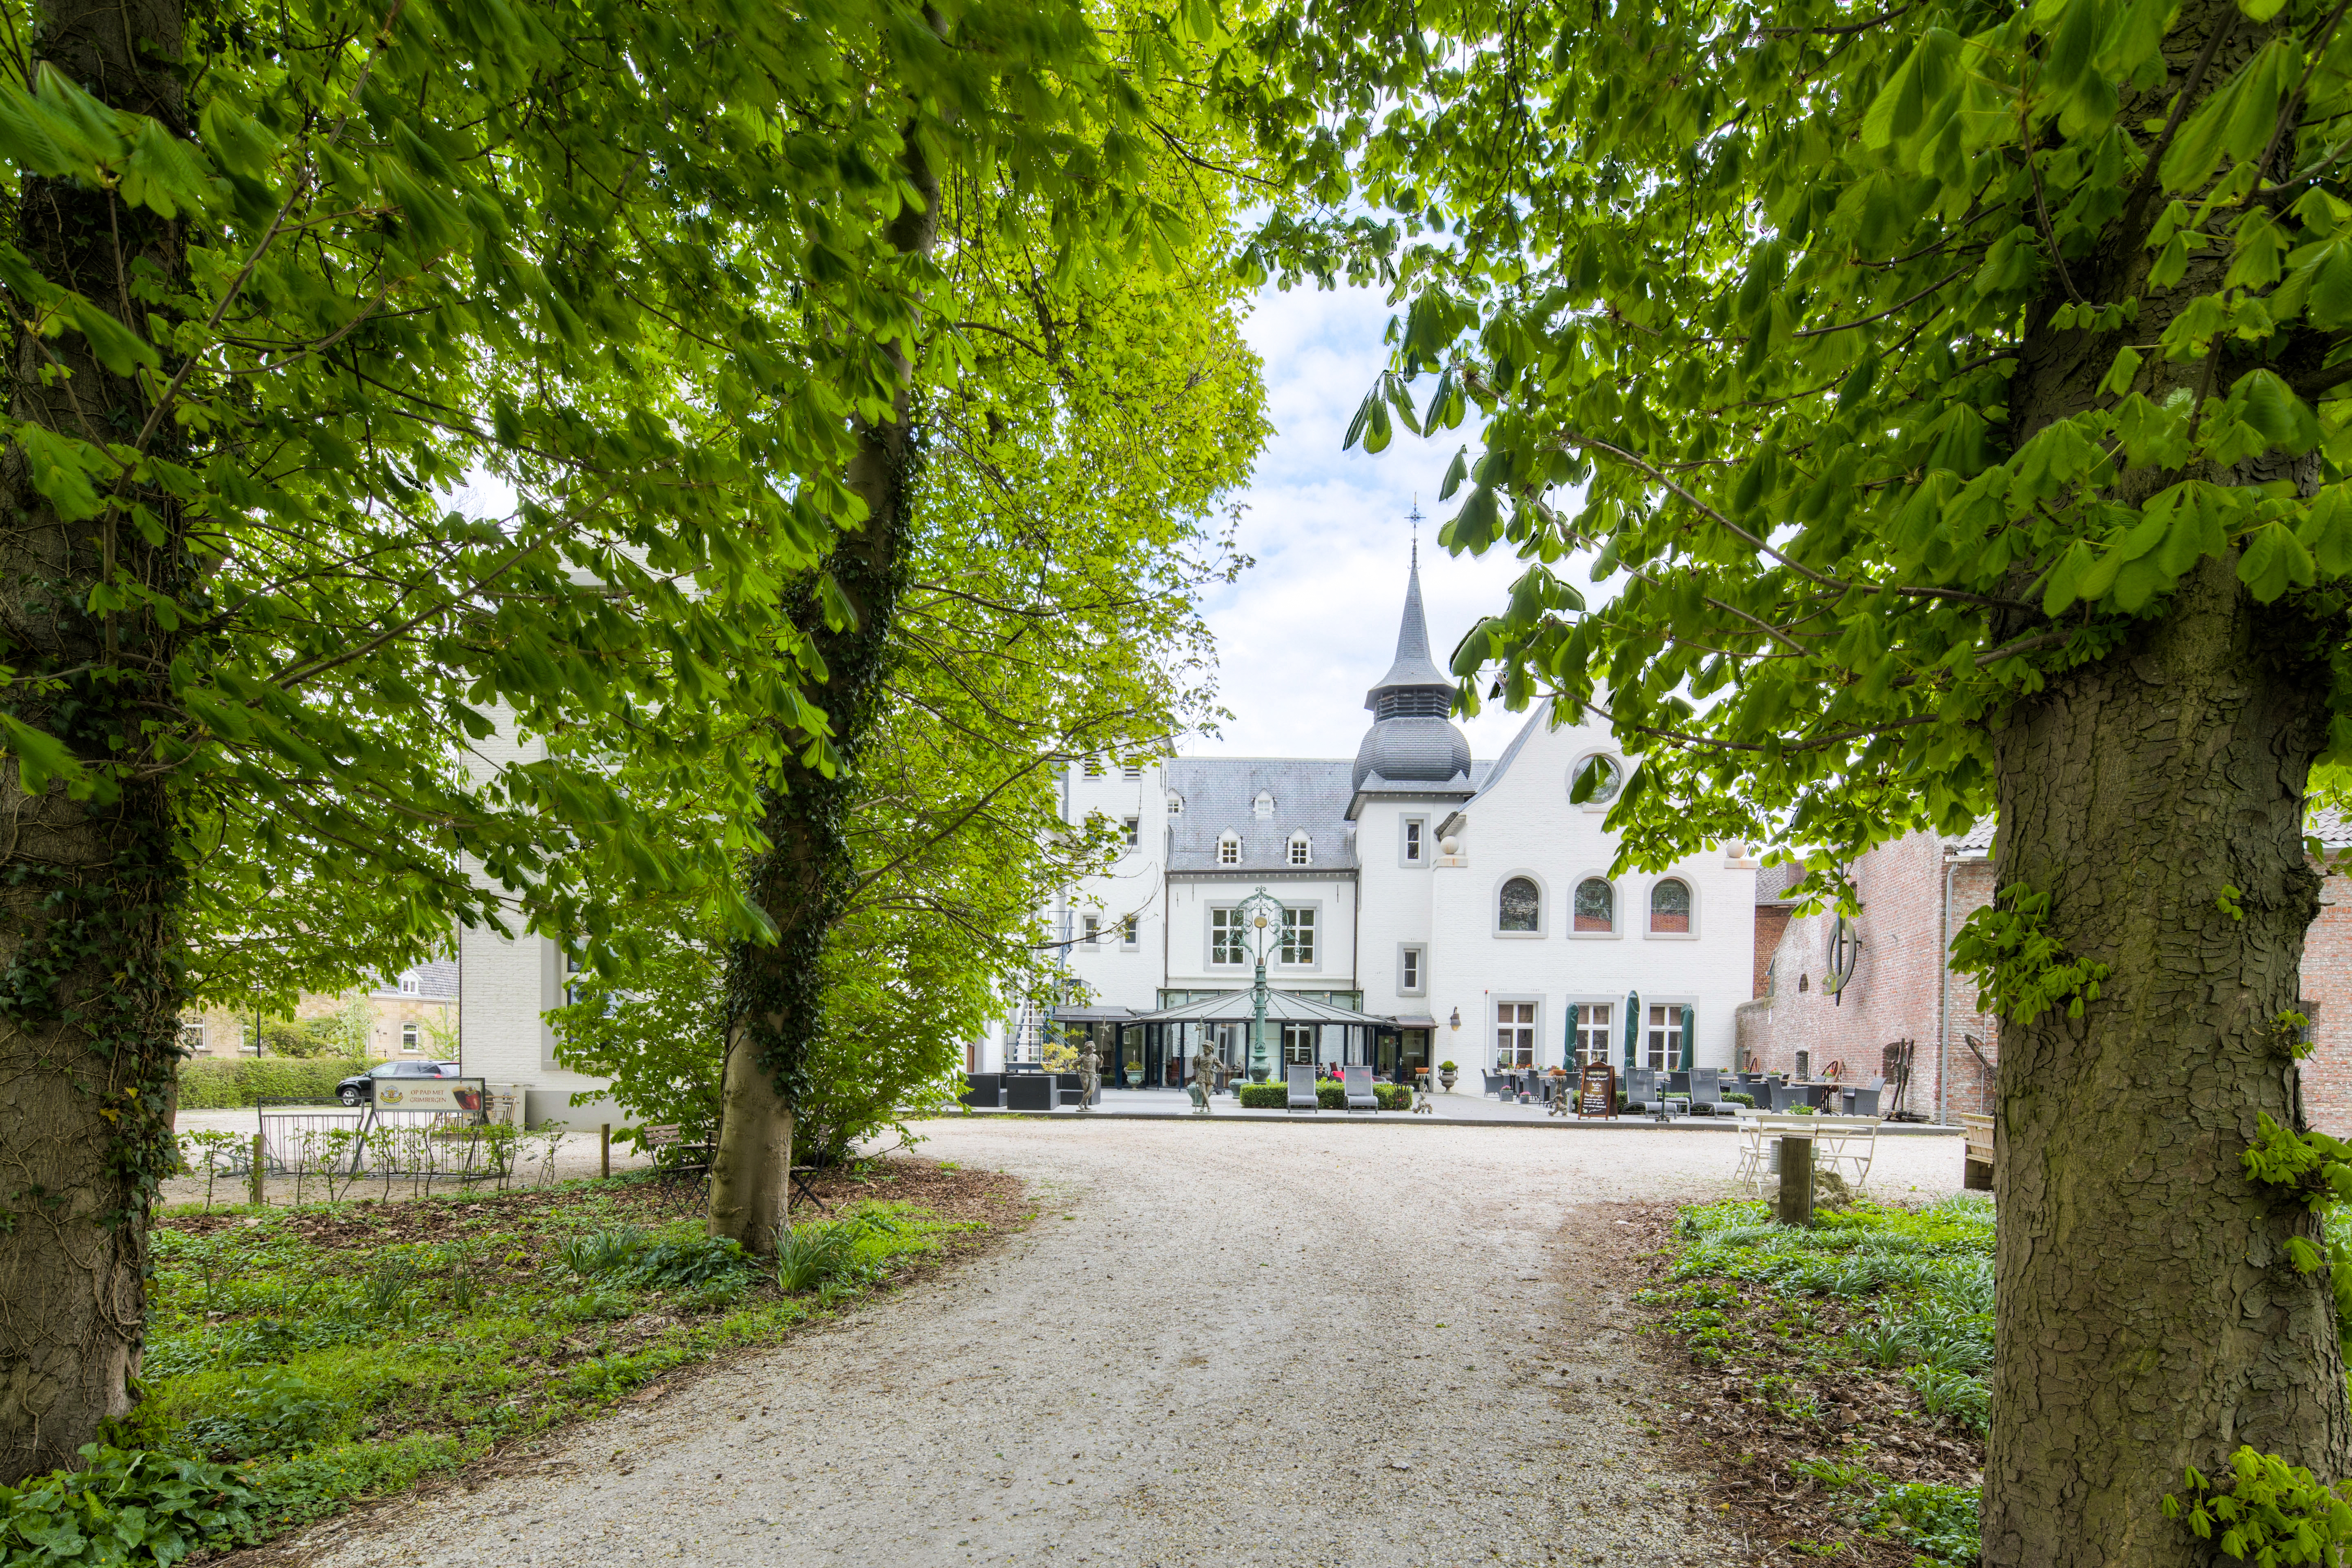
[
  {"x": 279, "y": 289},
  {"x": 1954, "y": 395},
  {"x": 1120, "y": 210}
]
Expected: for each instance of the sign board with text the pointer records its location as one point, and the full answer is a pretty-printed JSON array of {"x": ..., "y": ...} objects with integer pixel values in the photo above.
[
  {"x": 464, "y": 1097},
  {"x": 1596, "y": 1089}
]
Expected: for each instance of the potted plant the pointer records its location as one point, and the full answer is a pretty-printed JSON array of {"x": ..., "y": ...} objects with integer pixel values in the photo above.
[{"x": 1445, "y": 1075}]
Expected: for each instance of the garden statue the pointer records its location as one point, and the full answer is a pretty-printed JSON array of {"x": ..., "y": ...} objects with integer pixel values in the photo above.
[
  {"x": 1089, "y": 1078},
  {"x": 1422, "y": 1104},
  {"x": 1204, "y": 1079}
]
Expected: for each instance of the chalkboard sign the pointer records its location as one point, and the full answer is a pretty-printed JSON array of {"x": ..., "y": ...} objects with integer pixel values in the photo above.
[{"x": 1596, "y": 1090}]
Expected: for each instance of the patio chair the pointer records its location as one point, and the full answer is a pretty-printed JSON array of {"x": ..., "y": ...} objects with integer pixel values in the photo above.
[
  {"x": 1642, "y": 1091},
  {"x": 1494, "y": 1083},
  {"x": 1705, "y": 1090},
  {"x": 1787, "y": 1097},
  {"x": 1300, "y": 1076},
  {"x": 1863, "y": 1101},
  {"x": 1357, "y": 1081}
]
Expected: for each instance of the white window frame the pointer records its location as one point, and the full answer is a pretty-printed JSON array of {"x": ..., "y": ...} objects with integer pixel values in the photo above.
[
  {"x": 1650, "y": 892},
  {"x": 1134, "y": 830},
  {"x": 1301, "y": 850},
  {"x": 1567, "y": 790},
  {"x": 412, "y": 1035},
  {"x": 1233, "y": 944},
  {"x": 1229, "y": 848},
  {"x": 1175, "y": 803},
  {"x": 1413, "y": 841},
  {"x": 192, "y": 1037},
  {"x": 1307, "y": 918},
  {"x": 410, "y": 985},
  {"x": 1543, "y": 908},
  {"x": 1675, "y": 1005},
  {"x": 1130, "y": 932},
  {"x": 1130, "y": 770},
  {"x": 1616, "y": 907},
  {"x": 1613, "y": 1033},
  {"x": 1533, "y": 1026},
  {"x": 1263, "y": 806},
  {"x": 1412, "y": 969},
  {"x": 1090, "y": 931}
]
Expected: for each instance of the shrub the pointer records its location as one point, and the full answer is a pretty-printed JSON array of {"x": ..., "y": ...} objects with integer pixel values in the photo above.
[
  {"x": 1747, "y": 1100},
  {"x": 247, "y": 1080},
  {"x": 1393, "y": 1096},
  {"x": 123, "y": 1506},
  {"x": 1447, "y": 1067},
  {"x": 1331, "y": 1094},
  {"x": 1264, "y": 1096}
]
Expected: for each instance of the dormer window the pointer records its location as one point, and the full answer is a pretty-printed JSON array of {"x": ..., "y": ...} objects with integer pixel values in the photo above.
[
  {"x": 1175, "y": 803},
  {"x": 1229, "y": 849},
  {"x": 1302, "y": 850},
  {"x": 1262, "y": 807}
]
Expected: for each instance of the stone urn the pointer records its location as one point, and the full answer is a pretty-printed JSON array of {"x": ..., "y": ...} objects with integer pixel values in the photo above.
[{"x": 1446, "y": 1077}]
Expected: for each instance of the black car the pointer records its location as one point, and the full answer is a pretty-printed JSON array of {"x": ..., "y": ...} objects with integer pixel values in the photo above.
[{"x": 361, "y": 1090}]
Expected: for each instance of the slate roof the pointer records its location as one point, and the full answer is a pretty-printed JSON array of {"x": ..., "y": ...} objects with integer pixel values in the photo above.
[
  {"x": 2330, "y": 827},
  {"x": 1977, "y": 840},
  {"x": 1310, "y": 792},
  {"x": 436, "y": 981}
]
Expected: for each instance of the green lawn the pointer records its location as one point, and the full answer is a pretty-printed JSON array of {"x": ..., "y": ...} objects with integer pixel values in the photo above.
[
  {"x": 1850, "y": 1358},
  {"x": 340, "y": 1352}
]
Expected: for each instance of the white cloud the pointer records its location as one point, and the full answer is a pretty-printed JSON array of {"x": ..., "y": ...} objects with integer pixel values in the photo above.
[{"x": 1306, "y": 630}]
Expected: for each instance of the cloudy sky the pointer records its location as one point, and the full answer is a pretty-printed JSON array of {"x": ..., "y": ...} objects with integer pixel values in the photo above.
[{"x": 1308, "y": 628}]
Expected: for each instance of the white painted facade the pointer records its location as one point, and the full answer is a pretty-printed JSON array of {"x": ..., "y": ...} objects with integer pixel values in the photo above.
[{"x": 1406, "y": 878}]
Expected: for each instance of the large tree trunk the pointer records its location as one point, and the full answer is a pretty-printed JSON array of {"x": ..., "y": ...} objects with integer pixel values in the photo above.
[
  {"x": 2148, "y": 1318},
  {"x": 776, "y": 990},
  {"x": 90, "y": 889}
]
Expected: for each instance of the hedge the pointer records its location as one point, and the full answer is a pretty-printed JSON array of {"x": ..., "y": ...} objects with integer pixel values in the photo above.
[
  {"x": 216, "y": 1085},
  {"x": 1329, "y": 1095}
]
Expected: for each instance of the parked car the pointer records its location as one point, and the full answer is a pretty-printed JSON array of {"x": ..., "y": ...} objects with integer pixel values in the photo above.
[{"x": 360, "y": 1089}]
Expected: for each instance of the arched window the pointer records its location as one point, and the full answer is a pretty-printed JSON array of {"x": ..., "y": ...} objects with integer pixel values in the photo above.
[
  {"x": 1670, "y": 907},
  {"x": 1229, "y": 849},
  {"x": 1520, "y": 907},
  {"x": 1606, "y": 775},
  {"x": 1175, "y": 803},
  {"x": 1262, "y": 807},
  {"x": 1302, "y": 850},
  {"x": 1596, "y": 905}
]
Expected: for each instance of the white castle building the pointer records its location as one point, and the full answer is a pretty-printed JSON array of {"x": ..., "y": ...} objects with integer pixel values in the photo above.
[{"x": 1433, "y": 908}]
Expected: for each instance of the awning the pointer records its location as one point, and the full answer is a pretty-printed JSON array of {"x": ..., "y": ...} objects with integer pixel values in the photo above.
[
  {"x": 1281, "y": 1007},
  {"x": 1092, "y": 1015},
  {"x": 1418, "y": 1021}
]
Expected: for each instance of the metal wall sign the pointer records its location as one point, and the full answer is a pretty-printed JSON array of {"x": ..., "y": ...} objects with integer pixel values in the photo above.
[
  {"x": 1596, "y": 1090},
  {"x": 467, "y": 1098}
]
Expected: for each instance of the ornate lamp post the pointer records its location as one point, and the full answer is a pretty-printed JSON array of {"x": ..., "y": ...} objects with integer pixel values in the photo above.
[{"x": 1261, "y": 917}]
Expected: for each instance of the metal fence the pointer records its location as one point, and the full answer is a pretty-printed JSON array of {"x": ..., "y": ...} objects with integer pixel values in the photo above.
[{"x": 302, "y": 1140}]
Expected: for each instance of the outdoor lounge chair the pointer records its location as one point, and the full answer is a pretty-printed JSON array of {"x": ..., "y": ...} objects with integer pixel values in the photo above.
[
  {"x": 1357, "y": 1081},
  {"x": 1300, "y": 1078},
  {"x": 1642, "y": 1091},
  {"x": 1706, "y": 1091},
  {"x": 1495, "y": 1084}
]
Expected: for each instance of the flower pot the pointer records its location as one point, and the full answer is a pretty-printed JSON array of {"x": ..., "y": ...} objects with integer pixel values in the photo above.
[{"x": 1447, "y": 1079}]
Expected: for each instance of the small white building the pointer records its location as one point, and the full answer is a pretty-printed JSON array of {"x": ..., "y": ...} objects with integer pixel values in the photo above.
[{"x": 1469, "y": 905}]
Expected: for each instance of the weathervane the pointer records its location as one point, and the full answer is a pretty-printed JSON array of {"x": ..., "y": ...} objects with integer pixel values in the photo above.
[{"x": 1414, "y": 517}]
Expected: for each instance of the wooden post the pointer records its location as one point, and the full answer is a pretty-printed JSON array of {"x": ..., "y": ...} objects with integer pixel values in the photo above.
[
  {"x": 260, "y": 1190},
  {"x": 1796, "y": 1206},
  {"x": 605, "y": 1151}
]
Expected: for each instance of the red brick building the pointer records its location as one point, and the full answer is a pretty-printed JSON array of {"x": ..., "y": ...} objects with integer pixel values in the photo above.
[{"x": 1916, "y": 892}]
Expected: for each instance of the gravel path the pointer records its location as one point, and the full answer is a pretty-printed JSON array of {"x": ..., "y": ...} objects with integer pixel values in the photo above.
[{"x": 1241, "y": 1344}]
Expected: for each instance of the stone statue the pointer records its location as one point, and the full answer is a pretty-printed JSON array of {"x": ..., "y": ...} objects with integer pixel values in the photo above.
[
  {"x": 1422, "y": 1104},
  {"x": 1090, "y": 1076},
  {"x": 1204, "y": 1078}
]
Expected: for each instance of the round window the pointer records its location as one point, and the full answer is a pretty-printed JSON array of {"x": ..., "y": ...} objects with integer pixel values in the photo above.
[{"x": 1595, "y": 781}]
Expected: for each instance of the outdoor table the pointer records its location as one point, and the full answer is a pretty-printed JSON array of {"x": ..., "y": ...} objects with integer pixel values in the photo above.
[{"x": 1837, "y": 1141}]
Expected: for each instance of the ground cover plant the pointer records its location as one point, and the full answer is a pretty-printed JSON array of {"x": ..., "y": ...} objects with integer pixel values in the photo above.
[
  {"x": 301, "y": 1358},
  {"x": 1838, "y": 1381}
]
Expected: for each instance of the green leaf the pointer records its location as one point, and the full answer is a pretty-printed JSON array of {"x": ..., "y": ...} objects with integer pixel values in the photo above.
[
  {"x": 2120, "y": 374},
  {"x": 2062, "y": 586},
  {"x": 2273, "y": 561},
  {"x": 40, "y": 756}
]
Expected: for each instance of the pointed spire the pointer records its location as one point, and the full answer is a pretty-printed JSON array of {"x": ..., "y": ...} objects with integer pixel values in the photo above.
[{"x": 1413, "y": 669}]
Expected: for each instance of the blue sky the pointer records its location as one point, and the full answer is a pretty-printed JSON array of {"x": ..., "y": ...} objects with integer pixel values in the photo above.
[{"x": 1308, "y": 629}]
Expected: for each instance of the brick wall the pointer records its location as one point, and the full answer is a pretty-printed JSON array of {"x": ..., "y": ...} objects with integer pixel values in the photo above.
[
  {"x": 1771, "y": 924},
  {"x": 2327, "y": 997},
  {"x": 1897, "y": 988}
]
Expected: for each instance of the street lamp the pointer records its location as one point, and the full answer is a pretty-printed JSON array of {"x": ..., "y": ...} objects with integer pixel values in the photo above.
[{"x": 1261, "y": 916}]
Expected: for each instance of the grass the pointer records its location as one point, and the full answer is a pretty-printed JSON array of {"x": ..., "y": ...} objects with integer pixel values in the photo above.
[
  {"x": 341, "y": 1351},
  {"x": 1891, "y": 1306}
]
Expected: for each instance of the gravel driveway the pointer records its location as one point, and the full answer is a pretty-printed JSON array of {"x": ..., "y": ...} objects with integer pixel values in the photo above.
[{"x": 1246, "y": 1343}]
